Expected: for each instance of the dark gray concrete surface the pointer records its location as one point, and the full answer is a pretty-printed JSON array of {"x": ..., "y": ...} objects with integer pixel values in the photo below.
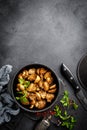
[{"x": 44, "y": 31}]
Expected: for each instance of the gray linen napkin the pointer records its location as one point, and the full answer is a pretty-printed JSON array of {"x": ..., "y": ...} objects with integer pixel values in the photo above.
[{"x": 6, "y": 101}]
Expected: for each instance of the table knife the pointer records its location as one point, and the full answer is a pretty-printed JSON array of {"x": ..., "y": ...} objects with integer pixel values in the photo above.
[{"x": 77, "y": 89}]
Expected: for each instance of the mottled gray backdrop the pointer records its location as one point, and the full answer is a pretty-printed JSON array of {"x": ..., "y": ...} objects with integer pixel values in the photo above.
[{"x": 43, "y": 31}]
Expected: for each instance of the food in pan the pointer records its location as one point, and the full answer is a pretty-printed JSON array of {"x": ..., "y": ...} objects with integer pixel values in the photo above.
[{"x": 35, "y": 87}]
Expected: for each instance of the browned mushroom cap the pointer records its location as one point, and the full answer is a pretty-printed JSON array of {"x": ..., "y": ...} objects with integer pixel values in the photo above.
[
  {"x": 38, "y": 71},
  {"x": 38, "y": 96},
  {"x": 20, "y": 76},
  {"x": 52, "y": 89},
  {"x": 49, "y": 80},
  {"x": 49, "y": 97},
  {"x": 32, "y": 77},
  {"x": 31, "y": 88},
  {"x": 46, "y": 86},
  {"x": 32, "y": 96},
  {"x": 47, "y": 75},
  {"x": 32, "y": 104},
  {"x": 41, "y": 84},
  {"x": 25, "y": 74},
  {"x": 40, "y": 104},
  {"x": 43, "y": 94},
  {"x": 42, "y": 71},
  {"x": 37, "y": 79},
  {"x": 32, "y": 71},
  {"x": 53, "y": 86},
  {"x": 20, "y": 87},
  {"x": 41, "y": 77},
  {"x": 38, "y": 89}
]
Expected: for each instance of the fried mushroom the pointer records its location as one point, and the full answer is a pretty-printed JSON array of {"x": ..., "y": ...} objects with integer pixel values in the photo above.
[
  {"x": 43, "y": 94},
  {"x": 43, "y": 71},
  {"x": 31, "y": 88},
  {"x": 38, "y": 96},
  {"x": 49, "y": 97},
  {"x": 40, "y": 104},
  {"x": 32, "y": 71},
  {"x": 32, "y": 77},
  {"x": 37, "y": 79},
  {"x": 48, "y": 74},
  {"x": 20, "y": 87},
  {"x": 25, "y": 74},
  {"x": 46, "y": 86}
]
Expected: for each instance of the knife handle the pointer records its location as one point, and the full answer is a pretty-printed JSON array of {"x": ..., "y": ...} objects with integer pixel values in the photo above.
[{"x": 67, "y": 73}]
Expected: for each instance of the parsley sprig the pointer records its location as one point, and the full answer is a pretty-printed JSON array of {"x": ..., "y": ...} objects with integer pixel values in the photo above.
[{"x": 66, "y": 119}]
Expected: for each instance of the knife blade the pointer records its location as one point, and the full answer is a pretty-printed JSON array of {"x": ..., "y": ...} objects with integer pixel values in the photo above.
[{"x": 77, "y": 89}]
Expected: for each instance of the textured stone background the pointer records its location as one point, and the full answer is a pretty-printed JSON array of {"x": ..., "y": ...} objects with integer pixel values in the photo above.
[{"x": 44, "y": 31}]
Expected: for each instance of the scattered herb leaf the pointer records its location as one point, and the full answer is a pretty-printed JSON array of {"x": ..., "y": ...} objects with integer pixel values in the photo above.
[
  {"x": 75, "y": 106},
  {"x": 65, "y": 99},
  {"x": 66, "y": 119}
]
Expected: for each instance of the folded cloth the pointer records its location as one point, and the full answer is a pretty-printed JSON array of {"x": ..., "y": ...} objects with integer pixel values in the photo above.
[{"x": 6, "y": 101}]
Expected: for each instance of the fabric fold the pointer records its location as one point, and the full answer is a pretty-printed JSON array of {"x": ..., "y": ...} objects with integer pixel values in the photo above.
[{"x": 7, "y": 103}]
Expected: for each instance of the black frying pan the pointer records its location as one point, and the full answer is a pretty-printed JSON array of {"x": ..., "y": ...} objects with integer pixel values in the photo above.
[{"x": 48, "y": 105}]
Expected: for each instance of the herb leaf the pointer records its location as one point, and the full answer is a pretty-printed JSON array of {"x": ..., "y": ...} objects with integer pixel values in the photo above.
[
  {"x": 66, "y": 119},
  {"x": 24, "y": 82},
  {"x": 75, "y": 106},
  {"x": 65, "y": 99},
  {"x": 21, "y": 81}
]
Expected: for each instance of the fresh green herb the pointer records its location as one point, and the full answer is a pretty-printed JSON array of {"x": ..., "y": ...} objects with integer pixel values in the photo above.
[
  {"x": 23, "y": 100},
  {"x": 21, "y": 81},
  {"x": 69, "y": 123},
  {"x": 20, "y": 92},
  {"x": 24, "y": 82},
  {"x": 65, "y": 99},
  {"x": 75, "y": 106},
  {"x": 66, "y": 119},
  {"x": 18, "y": 98},
  {"x": 58, "y": 113}
]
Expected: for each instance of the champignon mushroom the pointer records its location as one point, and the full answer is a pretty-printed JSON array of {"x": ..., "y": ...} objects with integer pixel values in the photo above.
[
  {"x": 43, "y": 94},
  {"x": 31, "y": 88},
  {"x": 20, "y": 87},
  {"x": 53, "y": 86},
  {"x": 48, "y": 74},
  {"x": 49, "y": 97},
  {"x": 38, "y": 96},
  {"x": 20, "y": 76},
  {"x": 40, "y": 104},
  {"x": 32, "y": 71},
  {"x": 25, "y": 74},
  {"x": 41, "y": 84},
  {"x": 43, "y": 71},
  {"x": 37, "y": 79},
  {"x": 49, "y": 80},
  {"x": 46, "y": 86},
  {"x": 38, "y": 71},
  {"x": 32, "y": 104},
  {"x": 32, "y": 77},
  {"x": 52, "y": 90},
  {"x": 32, "y": 96}
]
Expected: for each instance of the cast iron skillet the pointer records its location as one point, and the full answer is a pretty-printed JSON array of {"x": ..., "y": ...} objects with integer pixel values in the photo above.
[{"x": 49, "y": 105}]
